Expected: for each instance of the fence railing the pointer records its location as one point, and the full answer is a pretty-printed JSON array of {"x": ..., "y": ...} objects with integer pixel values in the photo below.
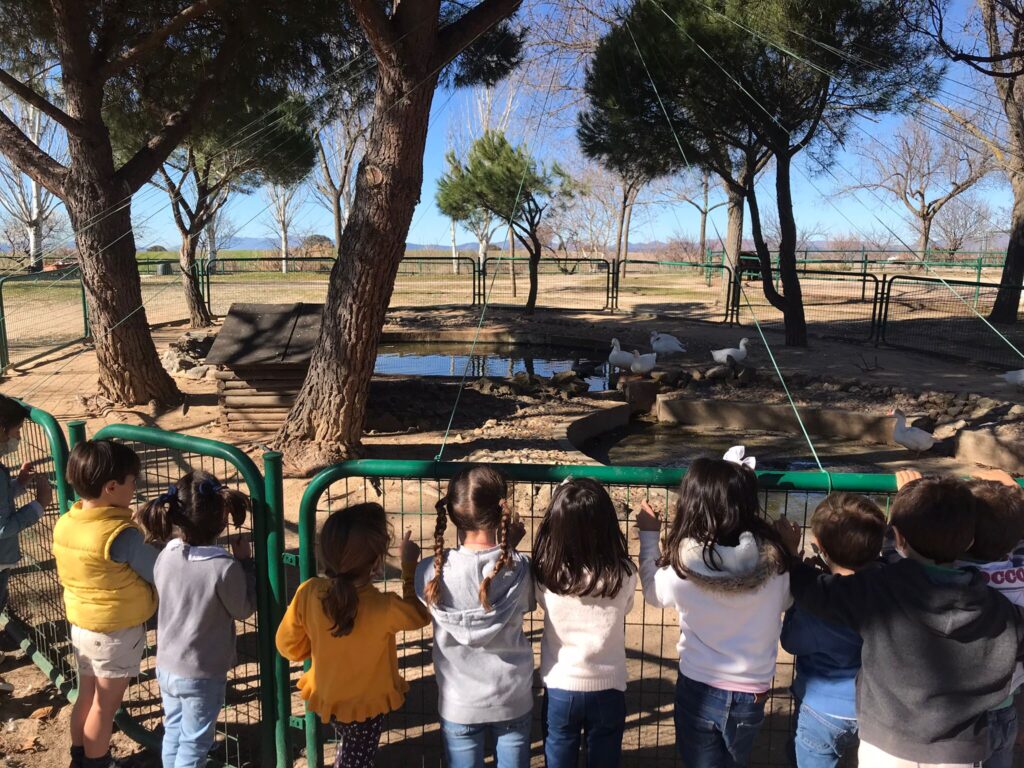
[
  {"x": 41, "y": 312},
  {"x": 584, "y": 284},
  {"x": 874, "y": 260},
  {"x": 408, "y": 490}
]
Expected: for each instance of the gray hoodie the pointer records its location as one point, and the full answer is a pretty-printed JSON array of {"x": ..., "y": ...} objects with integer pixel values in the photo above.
[{"x": 482, "y": 659}]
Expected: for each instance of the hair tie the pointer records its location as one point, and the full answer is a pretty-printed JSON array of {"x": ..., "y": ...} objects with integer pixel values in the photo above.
[
  {"x": 209, "y": 488},
  {"x": 170, "y": 495},
  {"x": 736, "y": 456},
  {"x": 568, "y": 479}
]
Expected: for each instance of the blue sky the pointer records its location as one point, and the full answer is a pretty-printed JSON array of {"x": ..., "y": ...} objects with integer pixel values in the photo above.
[{"x": 820, "y": 206}]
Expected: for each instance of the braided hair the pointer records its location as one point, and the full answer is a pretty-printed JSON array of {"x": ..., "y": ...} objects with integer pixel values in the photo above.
[
  {"x": 197, "y": 507},
  {"x": 475, "y": 501}
]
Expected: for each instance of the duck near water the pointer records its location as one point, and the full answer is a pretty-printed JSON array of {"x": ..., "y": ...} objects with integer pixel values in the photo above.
[
  {"x": 738, "y": 355},
  {"x": 643, "y": 364},
  {"x": 911, "y": 438},
  {"x": 666, "y": 343},
  {"x": 618, "y": 358},
  {"x": 1013, "y": 377}
]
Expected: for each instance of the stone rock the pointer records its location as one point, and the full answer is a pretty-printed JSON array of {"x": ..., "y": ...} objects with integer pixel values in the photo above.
[
  {"x": 484, "y": 386},
  {"x": 613, "y": 395},
  {"x": 198, "y": 372},
  {"x": 1017, "y": 410},
  {"x": 987, "y": 403},
  {"x": 747, "y": 375},
  {"x": 953, "y": 410},
  {"x": 641, "y": 394},
  {"x": 946, "y": 431},
  {"x": 718, "y": 373},
  {"x": 667, "y": 377},
  {"x": 696, "y": 375},
  {"x": 927, "y": 423}
]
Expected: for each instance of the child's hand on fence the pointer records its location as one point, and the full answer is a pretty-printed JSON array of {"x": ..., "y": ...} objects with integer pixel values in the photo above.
[
  {"x": 516, "y": 532},
  {"x": 905, "y": 476},
  {"x": 995, "y": 475},
  {"x": 648, "y": 519},
  {"x": 26, "y": 473},
  {"x": 789, "y": 531},
  {"x": 241, "y": 548},
  {"x": 410, "y": 549},
  {"x": 44, "y": 493}
]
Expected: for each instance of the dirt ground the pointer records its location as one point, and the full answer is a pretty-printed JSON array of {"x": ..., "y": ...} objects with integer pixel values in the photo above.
[{"x": 33, "y": 725}]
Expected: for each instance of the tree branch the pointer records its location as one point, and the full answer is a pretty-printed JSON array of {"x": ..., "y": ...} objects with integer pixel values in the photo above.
[
  {"x": 460, "y": 34},
  {"x": 29, "y": 158},
  {"x": 31, "y": 96},
  {"x": 156, "y": 38},
  {"x": 377, "y": 27}
]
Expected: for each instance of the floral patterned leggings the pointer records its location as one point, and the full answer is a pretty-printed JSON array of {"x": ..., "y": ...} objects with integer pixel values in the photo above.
[{"x": 358, "y": 747}]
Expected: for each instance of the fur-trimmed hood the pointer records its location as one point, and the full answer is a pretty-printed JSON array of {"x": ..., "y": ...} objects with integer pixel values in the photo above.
[{"x": 745, "y": 567}]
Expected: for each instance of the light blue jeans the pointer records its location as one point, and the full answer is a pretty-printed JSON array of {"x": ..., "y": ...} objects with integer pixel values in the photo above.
[
  {"x": 191, "y": 706},
  {"x": 464, "y": 745},
  {"x": 1002, "y": 736},
  {"x": 821, "y": 740}
]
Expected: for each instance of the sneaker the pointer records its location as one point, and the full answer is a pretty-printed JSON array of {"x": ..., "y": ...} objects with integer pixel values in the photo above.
[{"x": 6, "y": 687}]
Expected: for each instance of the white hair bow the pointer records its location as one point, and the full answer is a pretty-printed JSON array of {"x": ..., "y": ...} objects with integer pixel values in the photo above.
[{"x": 736, "y": 456}]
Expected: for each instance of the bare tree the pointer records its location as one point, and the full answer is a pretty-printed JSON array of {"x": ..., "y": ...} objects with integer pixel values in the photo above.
[
  {"x": 694, "y": 189},
  {"x": 805, "y": 235},
  {"x": 964, "y": 222},
  {"x": 220, "y": 231},
  {"x": 924, "y": 171},
  {"x": 339, "y": 145},
  {"x": 283, "y": 205},
  {"x": 586, "y": 224}
]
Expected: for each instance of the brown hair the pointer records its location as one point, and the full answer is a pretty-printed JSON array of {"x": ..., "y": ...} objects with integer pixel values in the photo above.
[
  {"x": 12, "y": 413},
  {"x": 353, "y": 542},
  {"x": 94, "y": 463},
  {"x": 197, "y": 506},
  {"x": 475, "y": 502},
  {"x": 936, "y": 515},
  {"x": 850, "y": 529},
  {"x": 718, "y": 502},
  {"x": 568, "y": 563},
  {"x": 1000, "y": 522}
]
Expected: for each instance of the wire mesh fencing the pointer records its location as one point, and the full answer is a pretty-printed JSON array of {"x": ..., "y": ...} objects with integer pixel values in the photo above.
[
  {"x": 681, "y": 289},
  {"x": 942, "y": 317},
  {"x": 409, "y": 491},
  {"x": 570, "y": 283},
  {"x": 266, "y": 281},
  {"x": 40, "y": 312}
]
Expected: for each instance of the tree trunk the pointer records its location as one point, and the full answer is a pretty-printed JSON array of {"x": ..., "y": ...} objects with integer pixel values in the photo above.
[
  {"x": 1007, "y": 306},
  {"x": 733, "y": 244},
  {"x": 35, "y": 228},
  {"x": 625, "y": 227},
  {"x": 199, "y": 315},
  {"x": 534, "y": 249},
  {"x": 326, "y": 423},
  {"x": 130, "y": 372},
  {"x": 284, "y": 248},
  {"x": 339, "y": 224},
  {"x": 622, "y": 221},
  {"x": 796, "y": 322},
  {"x": 455, "y": 251},
  {"x": 924, "y": 239}
]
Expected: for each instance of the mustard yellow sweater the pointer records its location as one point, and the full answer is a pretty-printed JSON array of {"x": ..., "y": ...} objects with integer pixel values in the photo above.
[{"x": 355, "y": 677}]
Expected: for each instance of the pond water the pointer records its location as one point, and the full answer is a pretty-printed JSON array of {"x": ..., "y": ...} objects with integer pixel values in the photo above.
[{"x": 452, "y": 359}]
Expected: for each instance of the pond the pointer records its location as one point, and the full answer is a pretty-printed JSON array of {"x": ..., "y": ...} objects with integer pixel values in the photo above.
[{"x": 494, "y": 360}]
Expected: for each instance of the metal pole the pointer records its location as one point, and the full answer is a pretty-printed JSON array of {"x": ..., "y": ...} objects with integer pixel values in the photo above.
[{"x": 273, "y": 484}]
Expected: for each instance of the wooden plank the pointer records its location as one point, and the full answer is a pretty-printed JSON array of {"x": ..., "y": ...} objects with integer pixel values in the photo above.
[{"x": 257, "y": 400}]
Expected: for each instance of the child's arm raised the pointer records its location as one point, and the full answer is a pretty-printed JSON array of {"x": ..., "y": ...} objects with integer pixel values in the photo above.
[
  {"x": 237, "y": 587},
  {"x": 408, "y": 613},
  {"x": 648, "y": 523},
  {"x": 14, "y": 520},
  {"x": 130, "y": 548},
  {"x": 291, "y": 640}
]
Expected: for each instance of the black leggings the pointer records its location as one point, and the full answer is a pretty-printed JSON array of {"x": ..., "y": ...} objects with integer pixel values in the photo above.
[{"x": 358, "y": 747}]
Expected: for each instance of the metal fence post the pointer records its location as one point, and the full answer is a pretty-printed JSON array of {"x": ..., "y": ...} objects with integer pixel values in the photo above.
[
  {"x": 274, "y": 493},
  {"x": 5, "y": 354},
  {"x": 864, "y": 272}
]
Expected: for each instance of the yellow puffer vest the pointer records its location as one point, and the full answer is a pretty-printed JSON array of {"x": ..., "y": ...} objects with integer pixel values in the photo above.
[{"x": 99, "y": 594}]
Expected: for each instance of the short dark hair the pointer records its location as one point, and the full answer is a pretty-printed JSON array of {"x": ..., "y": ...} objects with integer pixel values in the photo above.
[
  {"x": 12, "y": 413},
  {"x": 937, "y": 516},
  {"x": 95, "y": 463},
  {"x": 850, "y": 529},
  {"x": 580, "y": 548},
  {"x": 1000, "y": 523}
]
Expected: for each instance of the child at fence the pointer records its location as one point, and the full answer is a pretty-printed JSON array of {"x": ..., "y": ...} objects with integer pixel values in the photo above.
[
  {"x": 203, "y": 591},
  {"x": 723, "y": 568},
  {"x": 15, "y": 519},
  {"x": 998, "y": 530},
  {"x": 847, "y": 531},
  {"x": 585, "y": 584},
  {"x": 347, "y": 627},
  {"x": 477, "y": 594},
  {"x": 106, "y": 569},
  {"x": 939, "y": 647}
]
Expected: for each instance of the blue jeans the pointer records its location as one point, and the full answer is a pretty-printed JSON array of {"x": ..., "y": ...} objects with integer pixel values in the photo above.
[
  {"x": 1002, "y": 735},
  {"x": 821, "y": 740},
  {"x": 464, "y": 744},
  {"x": 191, "y": 706},
  {"x": 599, "y": 715},
  {"x": 716, "y": 728}
]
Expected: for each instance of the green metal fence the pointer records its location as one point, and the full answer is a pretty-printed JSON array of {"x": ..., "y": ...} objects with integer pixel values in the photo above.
[
  {"x": 252, "y": 727},
  {"x": 41, "y": 312},
  {"x": 408, "y": 490}
]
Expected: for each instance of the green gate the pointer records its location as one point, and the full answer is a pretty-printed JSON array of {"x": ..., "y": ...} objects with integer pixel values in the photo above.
[{"x": 408, "y": 490}]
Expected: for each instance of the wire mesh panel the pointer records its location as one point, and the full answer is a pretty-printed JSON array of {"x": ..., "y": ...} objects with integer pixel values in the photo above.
[
  {"x": 427, "y": 281},
  {"x": 836, "y": 304},
  {"x": 409, "y": 492},
  {"x": 266, "y": 281},
  {"x": 942, "y": 317},
  {"x": 561, "y": 283},
  {"x": 691, "y": 291},
  {"x": 40, "y": 312},
  {"x": 245, "y": 729}
]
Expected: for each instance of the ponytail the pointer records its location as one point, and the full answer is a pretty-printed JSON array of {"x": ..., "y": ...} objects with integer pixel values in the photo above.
[
  {"x": 340, "y": 603},
  {"x": 159, "y": 516},
  {"x": 198, "y": 507},
  {"x": 432, "y": 592},
  {"x": 505, "y": 539}
]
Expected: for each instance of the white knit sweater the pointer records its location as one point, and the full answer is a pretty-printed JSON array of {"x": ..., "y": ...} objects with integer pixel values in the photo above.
[{"x": 583, "y": 647}]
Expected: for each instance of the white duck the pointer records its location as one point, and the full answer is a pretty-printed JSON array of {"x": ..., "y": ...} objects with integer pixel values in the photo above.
[
  {"x": 737, "y": 355},
  {"x": 643, "y": 364},
  {"x": 666, "y": 343},
  {"x": 911, "y": 438},
  {"x": 1013, "y": 377},
  {"x": 618, "y": 358}
]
